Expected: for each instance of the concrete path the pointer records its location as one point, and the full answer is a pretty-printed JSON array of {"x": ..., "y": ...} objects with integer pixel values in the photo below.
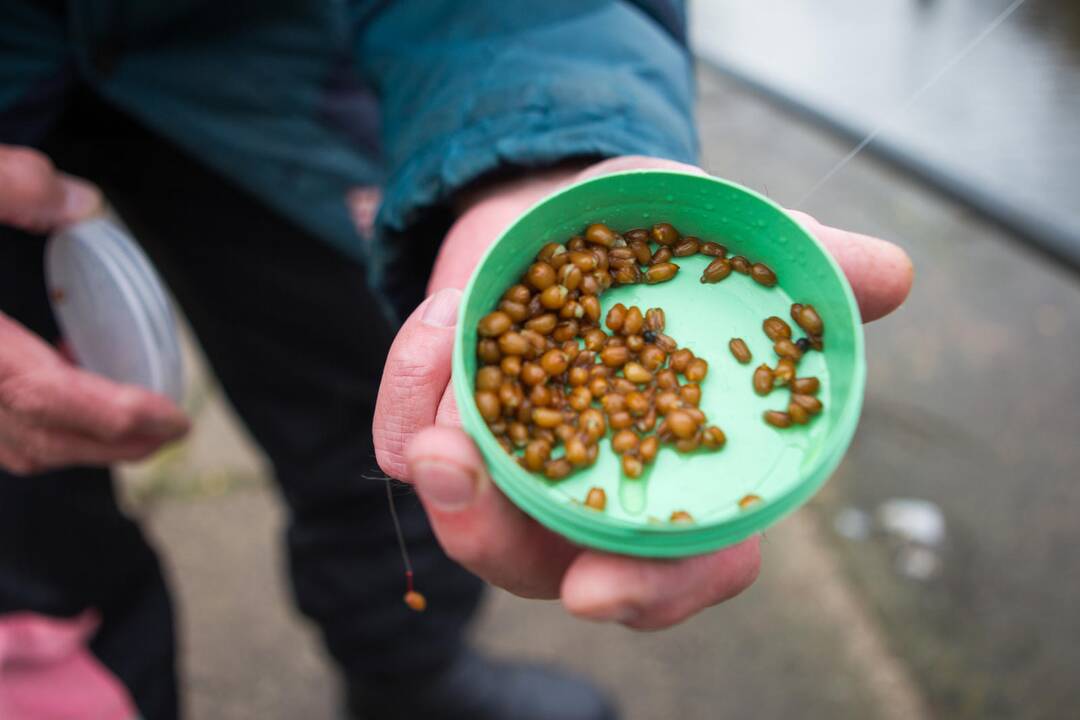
[
  {"x": 799, "y": 644},
  {"x": 972, "y": 403}
]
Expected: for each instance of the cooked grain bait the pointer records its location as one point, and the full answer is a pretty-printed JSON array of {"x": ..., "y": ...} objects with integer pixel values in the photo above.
[
  {"x": 775, "y": 328},
  {"x": 777, "y": 418},
  {"x": 716, "y": 271},
  {"x": 762, "y": 274},
  {"x": 740, "y": 350},
  {"x": 596, "y": 499}
]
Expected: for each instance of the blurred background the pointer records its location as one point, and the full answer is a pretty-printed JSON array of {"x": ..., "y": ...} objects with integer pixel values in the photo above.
[{"x": 936, "y": 575}]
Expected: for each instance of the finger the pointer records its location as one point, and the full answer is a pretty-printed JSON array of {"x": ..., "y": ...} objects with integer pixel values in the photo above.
[
  {"x": 654, "y": 594},
  {"x": 475, "y": 523},
  {"x": 83, "y": 403},
  {"x": 14, "y": 462},
  {"x": 37, "y": 198},
  {"x": 880, "y": 272},
  {"x": 60, "y": 449},
  {"x": 447, "y": 414},
  {"x": 414, "y": 379},
  {"x": 49, "y": 449}
]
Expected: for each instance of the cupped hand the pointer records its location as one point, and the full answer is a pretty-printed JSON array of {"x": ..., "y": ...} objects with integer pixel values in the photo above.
[
  {"x": 418, "y": 438},
  {"x": 53, "y": 414}
]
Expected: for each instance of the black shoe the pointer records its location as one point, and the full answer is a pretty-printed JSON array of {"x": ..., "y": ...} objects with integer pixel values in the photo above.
[{"x": 476, "y": 688}]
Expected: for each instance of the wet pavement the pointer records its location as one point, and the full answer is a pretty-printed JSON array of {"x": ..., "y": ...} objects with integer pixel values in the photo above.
[
  {"x": 973, "y": 398},
  {"x": 1002, "y": 124},
  {"x": 972, "y": 404}
]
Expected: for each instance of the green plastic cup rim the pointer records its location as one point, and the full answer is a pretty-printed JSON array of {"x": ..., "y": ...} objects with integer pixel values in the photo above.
[{"x": 531, "y": 493}]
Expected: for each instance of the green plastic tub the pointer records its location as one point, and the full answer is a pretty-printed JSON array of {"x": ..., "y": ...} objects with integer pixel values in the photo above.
[{"x": 782, "y": 467}]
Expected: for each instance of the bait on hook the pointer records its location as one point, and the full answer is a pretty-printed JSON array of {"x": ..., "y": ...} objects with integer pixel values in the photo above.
[{"x": 414, "y": 599}]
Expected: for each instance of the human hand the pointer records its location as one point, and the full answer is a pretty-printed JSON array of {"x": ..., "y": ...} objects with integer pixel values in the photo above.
[
  {"x": 53, "y": 414},
  {"x": 38, "y": 198},
  {"x": 418, "y": 439}
]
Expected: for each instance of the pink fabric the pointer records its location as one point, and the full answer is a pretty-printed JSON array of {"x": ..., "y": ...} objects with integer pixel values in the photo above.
[{"x": 47, "y": 672}]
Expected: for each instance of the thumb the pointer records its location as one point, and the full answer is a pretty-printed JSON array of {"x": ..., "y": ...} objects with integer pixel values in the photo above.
[
  {"x": 415, "y": 376},
  {"x": 80, "y": 200},
  {"x": 36, "y": 197}
]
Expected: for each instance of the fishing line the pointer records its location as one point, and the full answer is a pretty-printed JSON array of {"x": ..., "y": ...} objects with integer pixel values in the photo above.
[
  {"x": 397, "y": 531},
  {"x": 949, "y": 65},
  {"x": 413, "y": 599}
]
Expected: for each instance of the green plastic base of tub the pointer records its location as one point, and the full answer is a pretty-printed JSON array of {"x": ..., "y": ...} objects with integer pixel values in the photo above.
[{"x": 783, "y": 467}]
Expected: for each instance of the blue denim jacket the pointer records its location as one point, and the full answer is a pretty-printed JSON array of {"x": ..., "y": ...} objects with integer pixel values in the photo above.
[{"x": 299, "y": 101}]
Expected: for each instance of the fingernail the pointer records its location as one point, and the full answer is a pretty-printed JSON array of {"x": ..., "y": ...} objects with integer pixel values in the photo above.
[
  {"x": 616, "y": 613},
  {"x": 441, "y": 309},
  {"x": 446, "y": 486},
  {"x": 80, "y": 200}
]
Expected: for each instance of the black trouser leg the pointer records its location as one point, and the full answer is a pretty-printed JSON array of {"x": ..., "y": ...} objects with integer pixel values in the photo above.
[
  {"x": 66, "y": 547},
  {"x": 299, "y": 345}
]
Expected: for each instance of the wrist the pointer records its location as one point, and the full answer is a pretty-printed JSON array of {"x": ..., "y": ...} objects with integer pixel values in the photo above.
[{"x": 524, "y": 186}]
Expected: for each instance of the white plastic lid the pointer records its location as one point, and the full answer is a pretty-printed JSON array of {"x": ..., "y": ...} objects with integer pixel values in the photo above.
[{"x": 112, "y": 308}]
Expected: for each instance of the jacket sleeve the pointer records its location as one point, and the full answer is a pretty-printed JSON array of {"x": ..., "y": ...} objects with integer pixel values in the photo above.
[{"x": 467, "y": 87}]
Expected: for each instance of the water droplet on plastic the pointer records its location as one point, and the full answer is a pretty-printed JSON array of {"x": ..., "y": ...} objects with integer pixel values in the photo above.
[{"x": 632, "y": 495}]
